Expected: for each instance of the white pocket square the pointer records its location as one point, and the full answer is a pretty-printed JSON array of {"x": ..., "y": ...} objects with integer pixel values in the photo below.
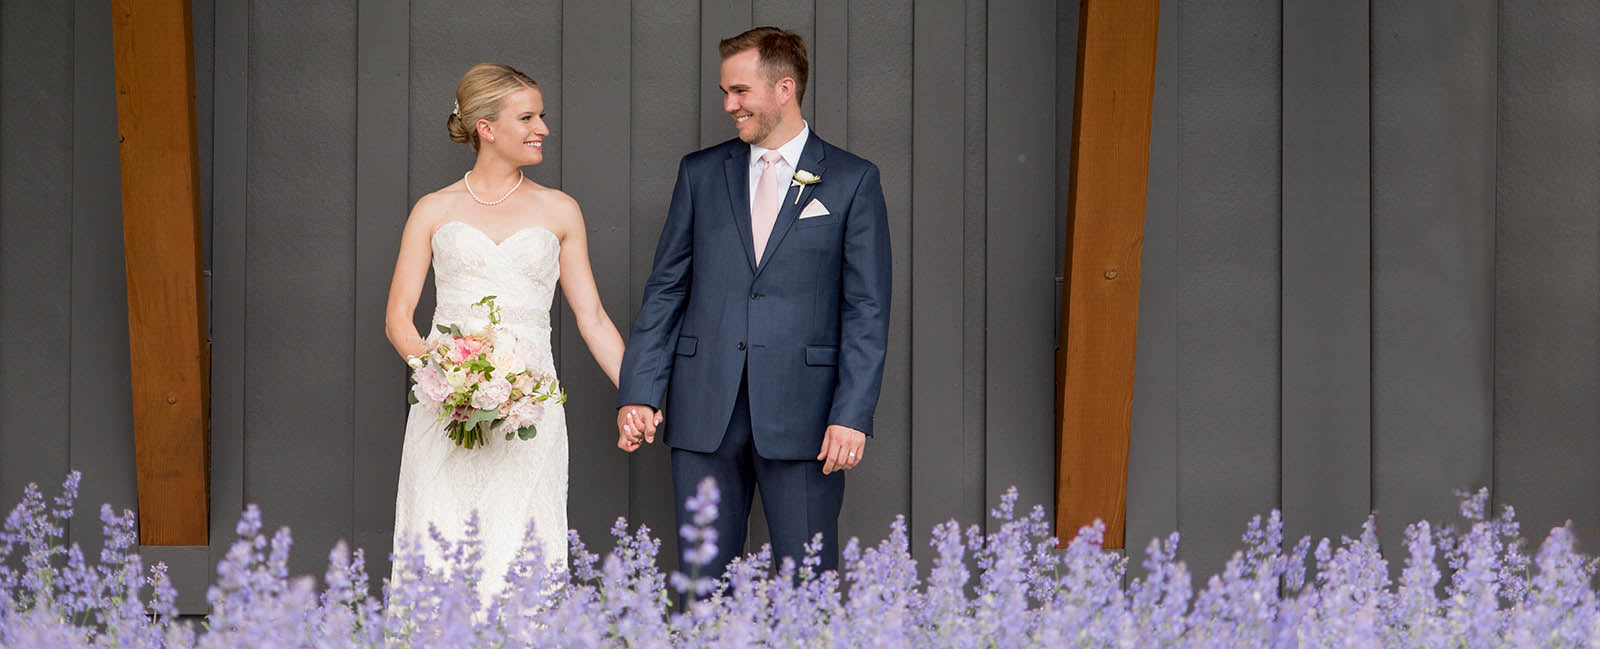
[{"x": 814, "y": 208}]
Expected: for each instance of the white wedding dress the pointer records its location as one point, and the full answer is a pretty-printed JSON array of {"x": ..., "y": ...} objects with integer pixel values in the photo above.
[{"x": 509, "y": 483}]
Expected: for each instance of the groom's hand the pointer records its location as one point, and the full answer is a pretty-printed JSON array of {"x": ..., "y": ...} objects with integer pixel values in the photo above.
[
  {"x": 842, "y": 448},
  {"x": 636, "y": 426}
]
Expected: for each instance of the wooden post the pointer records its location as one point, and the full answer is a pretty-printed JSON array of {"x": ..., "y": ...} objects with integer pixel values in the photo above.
[
  {"x": 1105, "y": 234},
  {"x": 161, "y": 225}
]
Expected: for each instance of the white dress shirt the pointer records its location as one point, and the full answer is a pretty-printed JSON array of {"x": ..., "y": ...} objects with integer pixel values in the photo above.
[{"x": 791, "y": 160}]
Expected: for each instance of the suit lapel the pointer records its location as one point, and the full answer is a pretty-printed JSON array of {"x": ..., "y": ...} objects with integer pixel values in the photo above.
[
  {"x": 793, "y": 200},
  {"x": 737, "y": 168}
]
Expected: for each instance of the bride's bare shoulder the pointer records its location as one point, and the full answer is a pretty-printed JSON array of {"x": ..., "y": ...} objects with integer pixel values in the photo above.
[
  {"x": 432, "y": 207},
  {"x": 443, "y": 196},
  {"x": 558, "y": 209}
]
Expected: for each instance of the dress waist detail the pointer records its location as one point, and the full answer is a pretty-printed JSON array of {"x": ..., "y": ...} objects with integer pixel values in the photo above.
[{"x": 509, "y": 315}]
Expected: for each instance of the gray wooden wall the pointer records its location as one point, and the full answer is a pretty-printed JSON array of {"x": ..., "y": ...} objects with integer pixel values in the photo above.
[
  {"x": 1370, "y": 269},
  {"x": 64, "y": 376}
]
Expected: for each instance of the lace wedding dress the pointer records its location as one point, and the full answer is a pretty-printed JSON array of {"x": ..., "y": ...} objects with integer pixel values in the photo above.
[{"x": 509, "y": 483}]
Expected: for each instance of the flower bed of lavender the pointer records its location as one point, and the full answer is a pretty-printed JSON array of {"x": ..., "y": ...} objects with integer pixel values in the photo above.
[{"x": 1469, "y": 588}]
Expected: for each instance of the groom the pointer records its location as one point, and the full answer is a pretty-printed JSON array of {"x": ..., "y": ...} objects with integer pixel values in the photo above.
[{"x": 765, "y": 316}]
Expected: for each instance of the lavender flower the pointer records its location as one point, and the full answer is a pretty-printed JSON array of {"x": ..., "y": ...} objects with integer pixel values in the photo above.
[
  {"x": 1157, "y": 603},
  {"x": 1413, "y": 610},
  {"x": 699, "y": 540},
  {"x": 1560, "y": 607},
  {"x": 1009, "y": 587}
]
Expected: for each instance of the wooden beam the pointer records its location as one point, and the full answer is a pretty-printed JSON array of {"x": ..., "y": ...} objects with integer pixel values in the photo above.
[
  {"x": 153, "y": 42},
  {"x": 1105, "y": 234}
]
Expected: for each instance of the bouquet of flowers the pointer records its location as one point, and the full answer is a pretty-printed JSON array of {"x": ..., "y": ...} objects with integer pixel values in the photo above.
[{"x": 479, "y": 382}]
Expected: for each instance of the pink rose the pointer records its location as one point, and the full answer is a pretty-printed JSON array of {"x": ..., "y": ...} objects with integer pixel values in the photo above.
[
  {"x": 464, "y": 348},
  {"x": 491, "y": 394},
  {"x": 431, "y": 384},
  {"x": 456, "y": 350},
  {"x": 525, "y": 412}
]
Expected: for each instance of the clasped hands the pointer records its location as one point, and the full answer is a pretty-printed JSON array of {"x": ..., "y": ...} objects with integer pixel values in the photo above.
[
  {"x": 842, "y": 447},
  {"x": 636, "y": 426}
]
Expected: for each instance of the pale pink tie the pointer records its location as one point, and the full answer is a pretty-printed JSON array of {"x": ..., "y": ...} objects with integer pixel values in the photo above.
[{"x": 764, "y": 211}]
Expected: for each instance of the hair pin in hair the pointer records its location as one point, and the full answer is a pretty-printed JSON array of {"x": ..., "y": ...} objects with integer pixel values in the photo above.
[{"x": 455, "y": 108}]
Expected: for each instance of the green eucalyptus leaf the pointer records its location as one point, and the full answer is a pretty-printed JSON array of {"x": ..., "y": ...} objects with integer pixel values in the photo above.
[
  {"x": 411, "y": 397},
  {"x": 442, "y": 329},
  {"x": 527, "y": 432},
  {"x": 481, "y": 417}
]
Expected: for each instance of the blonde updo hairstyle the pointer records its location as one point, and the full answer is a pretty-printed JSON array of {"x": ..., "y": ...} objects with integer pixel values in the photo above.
[{"x": 478, "y": 97}]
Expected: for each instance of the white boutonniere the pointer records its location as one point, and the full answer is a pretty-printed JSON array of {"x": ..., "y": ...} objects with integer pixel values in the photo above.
[{"x": 801, "y": 179}]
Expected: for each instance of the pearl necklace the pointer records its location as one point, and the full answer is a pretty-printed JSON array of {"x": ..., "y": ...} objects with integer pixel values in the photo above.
[{"x": 480, "y": 201}]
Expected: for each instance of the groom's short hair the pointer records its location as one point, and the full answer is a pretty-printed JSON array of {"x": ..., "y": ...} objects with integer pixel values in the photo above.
[{"x": 782, "y": 52}]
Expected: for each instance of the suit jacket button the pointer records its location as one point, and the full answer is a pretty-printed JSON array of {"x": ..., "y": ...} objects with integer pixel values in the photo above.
[
  {"x": 741, "y": 345},
  {"x": 755, "y": 296}
]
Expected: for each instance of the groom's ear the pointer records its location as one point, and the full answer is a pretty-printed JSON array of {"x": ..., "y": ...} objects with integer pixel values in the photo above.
[{"x": 785, "y": 88}]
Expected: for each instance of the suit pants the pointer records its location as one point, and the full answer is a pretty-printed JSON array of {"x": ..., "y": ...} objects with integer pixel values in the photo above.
[{"x": 798, "y": 500}]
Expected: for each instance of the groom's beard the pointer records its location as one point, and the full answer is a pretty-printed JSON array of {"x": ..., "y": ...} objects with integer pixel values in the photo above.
[{"x": 766, "y": 123}]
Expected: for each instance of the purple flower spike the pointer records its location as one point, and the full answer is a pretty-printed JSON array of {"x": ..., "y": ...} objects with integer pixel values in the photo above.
[{"x": 1004, "y": 586}]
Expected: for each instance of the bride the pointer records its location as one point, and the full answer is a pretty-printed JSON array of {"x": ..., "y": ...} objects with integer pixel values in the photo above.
[{"x": 494, "y": 232}]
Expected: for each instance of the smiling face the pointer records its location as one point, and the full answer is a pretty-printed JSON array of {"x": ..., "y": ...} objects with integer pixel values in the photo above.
[
  {"x": 760, "y": 108},
  {"x": 518, "y": 131}
]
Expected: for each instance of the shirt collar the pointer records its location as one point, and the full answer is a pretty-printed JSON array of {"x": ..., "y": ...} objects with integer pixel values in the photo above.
[{"x": 789, "y": 150}]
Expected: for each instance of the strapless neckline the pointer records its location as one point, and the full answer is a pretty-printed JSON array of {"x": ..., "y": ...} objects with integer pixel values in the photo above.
[{"x": 490, "y": 239}]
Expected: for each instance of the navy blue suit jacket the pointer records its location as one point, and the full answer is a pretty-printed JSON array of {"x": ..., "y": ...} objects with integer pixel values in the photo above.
[{"x": 809, "y": 324}]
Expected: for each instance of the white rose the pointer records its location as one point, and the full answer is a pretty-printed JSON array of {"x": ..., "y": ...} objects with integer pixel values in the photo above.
[
  {"x": 524, "y": 383},
  {"x": 506, "y": 361}
]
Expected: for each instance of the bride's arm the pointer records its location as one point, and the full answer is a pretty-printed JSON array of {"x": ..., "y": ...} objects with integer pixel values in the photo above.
[
  {"x": 577, "y": 283},
  {"x": 410, "y": 273}
]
